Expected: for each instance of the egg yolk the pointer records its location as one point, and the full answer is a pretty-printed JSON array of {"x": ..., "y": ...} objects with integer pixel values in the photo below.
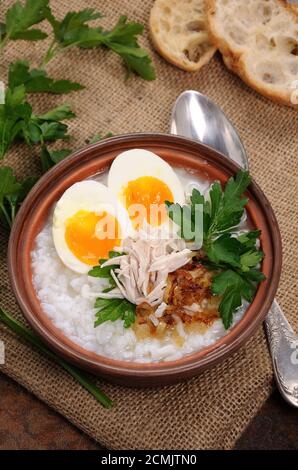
[
  {"x": 149, "y": 193},
  {"x": 90, "y": 236}
]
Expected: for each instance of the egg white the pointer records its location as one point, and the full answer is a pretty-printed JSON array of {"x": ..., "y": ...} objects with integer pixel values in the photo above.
[
  {"x": 133, "y": 164},
  {"x": 90, "y": 196}
]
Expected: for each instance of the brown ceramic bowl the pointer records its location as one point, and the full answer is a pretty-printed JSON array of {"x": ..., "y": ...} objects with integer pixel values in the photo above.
[{"x": 93, "y": 160}]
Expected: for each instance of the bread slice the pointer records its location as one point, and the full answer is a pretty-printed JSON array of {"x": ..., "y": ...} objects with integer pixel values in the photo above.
[
  {"x": 179, "y": 33},
  {"x": 259, "y": 42}
]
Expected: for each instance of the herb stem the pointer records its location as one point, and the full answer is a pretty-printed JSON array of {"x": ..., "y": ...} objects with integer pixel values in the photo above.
[
  {"x": 13, "y": 213},
  {"x": 7, "y": 218},
  {"x": 25, "y": 333},
  {"x": 3, "y": 43},
  {"x": 50, "y": 54}
]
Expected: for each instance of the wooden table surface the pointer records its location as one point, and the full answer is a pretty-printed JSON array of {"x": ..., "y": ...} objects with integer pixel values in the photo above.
[{"x": 27, "y": 423}]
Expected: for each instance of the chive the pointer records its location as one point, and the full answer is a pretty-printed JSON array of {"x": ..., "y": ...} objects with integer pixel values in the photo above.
[{"x": 76, "y": 373}]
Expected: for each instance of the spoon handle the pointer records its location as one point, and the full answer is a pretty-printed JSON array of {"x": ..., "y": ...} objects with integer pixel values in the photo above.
[
  {"x": 197, "y": 117},
  {"x": 283, "y": 343}
]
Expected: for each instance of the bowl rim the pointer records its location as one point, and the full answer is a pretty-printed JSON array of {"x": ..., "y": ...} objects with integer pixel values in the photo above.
[{"x": 199, "y": 360}]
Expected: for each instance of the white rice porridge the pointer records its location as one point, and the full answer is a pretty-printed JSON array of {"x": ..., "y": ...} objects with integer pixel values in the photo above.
[{"x": 68, "y": 299}]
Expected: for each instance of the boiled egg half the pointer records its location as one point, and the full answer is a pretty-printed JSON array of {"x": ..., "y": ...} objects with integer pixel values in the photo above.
[
  {"x": 142, "y": 182},
  {"x": 88, "y": 222}
]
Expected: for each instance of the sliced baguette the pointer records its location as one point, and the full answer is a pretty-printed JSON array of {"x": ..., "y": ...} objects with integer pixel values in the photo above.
[
  {"x": 259, "y": 42},
  {"x": 179, "y": 33}
]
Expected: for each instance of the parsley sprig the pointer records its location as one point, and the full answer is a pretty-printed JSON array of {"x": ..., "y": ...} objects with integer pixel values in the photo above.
[
  {"x": 97, "y": 137},
  {"x": 37, "y": 80},
  {"x": 19, "y": 19},
  {"x": 12, "y": 194},
  {"x": 17, "y": 121},
  {"x": 234, "y": 259},
  {"x": 73, "y": 31},
  {"x": 225, "y": 208},
  {"x": 114, "y": 309},
  {"x": 105, "y": 272},
  {"x": 111, "y": 309},
  {"x": 123, "y": 40}
]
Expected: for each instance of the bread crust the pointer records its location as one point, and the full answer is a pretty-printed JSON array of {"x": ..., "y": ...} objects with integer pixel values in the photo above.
[
  {"x": 165, "y": 52},
  {"x": 236, "y": 61}
]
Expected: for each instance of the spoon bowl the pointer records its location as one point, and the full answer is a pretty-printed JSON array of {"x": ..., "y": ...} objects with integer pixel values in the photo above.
[{"x": 199, "y": 118}]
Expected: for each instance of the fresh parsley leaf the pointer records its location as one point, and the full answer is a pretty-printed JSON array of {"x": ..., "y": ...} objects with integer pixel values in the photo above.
[
  {"x": 248, "y": 239},
  {"x": 227, "y": 206},
  {"x": 196, "y": 197},
  {"x": 232, "y": 286},
  {"x": 45, "y": 158},
  {"x": 229, "y": 304},
  {"x": 109, "y": 312},
  {"x": 97, "y": 137},
  {"x": 112, "y": 309},
  {"x": 123, "y": 40},
  {"x": 74, "y": 30},
  {"x": 2, "y": 31},
  {"x": 37, "y": 80},
  {"x": 12, "y": 194},
  {"x": 115, "y": 309},
  {"x": 59, "y": 155},
  {"x": 19, "y": 19},
  {"x": 102, "y": 303},
  {"x": 58, "y": 114},
  {"x": 105, "y": 272},
  {"x": 14, "y": 115},
  {"x": 250, "y": 259},
  {"x": 49, "y": 158},
  {"x": 225, "y": 249},
  {"x": 41, "y": 131},
  {"x": 254, "y": 275},
  {"x": 114, "y": 254},
  {"x": 51, "y": 130},
  {"x": 71, "y": 31},
  {"x": 215, "y": 199},
  {"x": 17, "y": 121},
  {"x": 225, "y": 280},
  {"x": 48, "y": 126},
  {"x": 8, "y": 183},
  {"x": 26, "y": 186},
  {"x": 238, "y": 275},
  {"x": 129, "y": 314}
]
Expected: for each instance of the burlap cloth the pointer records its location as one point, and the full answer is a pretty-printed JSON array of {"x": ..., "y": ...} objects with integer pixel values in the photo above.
[{"x": 212, "y": 410}]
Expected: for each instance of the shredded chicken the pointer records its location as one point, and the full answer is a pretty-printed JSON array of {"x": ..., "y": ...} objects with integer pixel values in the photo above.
[
  {"x": 142, "y": 272},
  {"x": 168, "y": 283}
]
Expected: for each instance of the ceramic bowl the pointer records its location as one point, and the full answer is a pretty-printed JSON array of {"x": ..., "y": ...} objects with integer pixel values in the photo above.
[{"x": 95, "y": 159}]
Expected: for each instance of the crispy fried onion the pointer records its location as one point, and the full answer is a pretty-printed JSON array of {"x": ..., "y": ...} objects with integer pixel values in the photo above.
[{"x": 187, "y": 299}]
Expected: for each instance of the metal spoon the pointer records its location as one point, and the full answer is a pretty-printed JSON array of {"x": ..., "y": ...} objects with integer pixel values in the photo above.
[{"x": 197, "y": 117}]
